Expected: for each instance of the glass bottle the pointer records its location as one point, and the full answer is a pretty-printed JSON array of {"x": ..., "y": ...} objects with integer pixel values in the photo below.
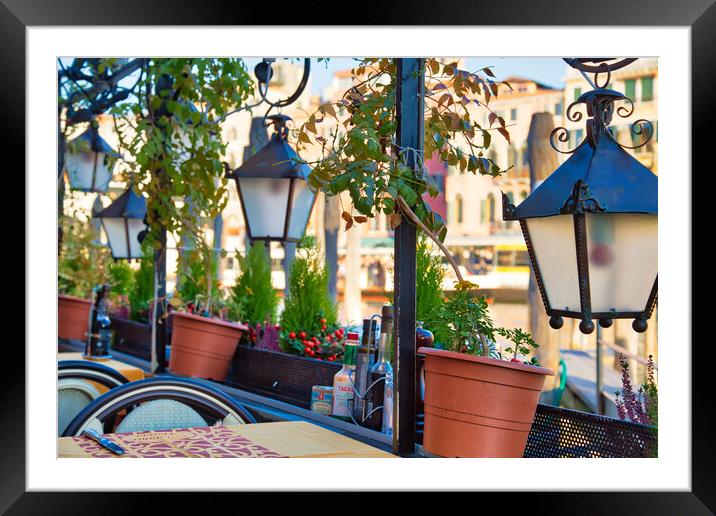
[
  {"x": 364, "y": 362},
  {"x": 376, "y": 380},
  {"x": 343, "y": 380},
  {"x": 100, "y": 334},
  {"x": 423, "y": 339}
]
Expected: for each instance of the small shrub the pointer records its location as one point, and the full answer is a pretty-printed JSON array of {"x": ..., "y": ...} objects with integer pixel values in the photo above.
[
  {"x": 309, "y": 322},
  {"x": 253, "y": 300}
]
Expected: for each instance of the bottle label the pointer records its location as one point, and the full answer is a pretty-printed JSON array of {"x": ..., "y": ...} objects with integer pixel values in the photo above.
[{"x": 342, "y": 399}]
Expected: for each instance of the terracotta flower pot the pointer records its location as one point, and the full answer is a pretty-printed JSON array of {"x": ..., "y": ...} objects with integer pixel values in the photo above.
[
  {"x": 72, "y": 317},
  {"x": 203, "y": 347},
  {"x": 477, "y": 406}
]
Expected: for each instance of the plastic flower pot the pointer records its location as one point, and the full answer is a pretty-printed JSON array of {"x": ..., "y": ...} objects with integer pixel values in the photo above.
[
  {"x": 477, "y": 406},
  {"x": 203, "y": 347},
  {"x": 72, "y": 317}
]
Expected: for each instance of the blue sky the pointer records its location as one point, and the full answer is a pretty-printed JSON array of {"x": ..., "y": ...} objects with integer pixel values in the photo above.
[{"x": 547, "y": 70}]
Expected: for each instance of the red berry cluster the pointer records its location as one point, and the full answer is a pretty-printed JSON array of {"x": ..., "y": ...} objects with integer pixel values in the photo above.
[{"x": 323, "y": 344}]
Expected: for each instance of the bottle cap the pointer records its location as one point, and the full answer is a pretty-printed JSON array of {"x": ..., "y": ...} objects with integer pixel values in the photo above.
[
  {"x": 366, "y": 325},
  {"x": 387, "y": 312},
  {"x": 352, "y": 335}
]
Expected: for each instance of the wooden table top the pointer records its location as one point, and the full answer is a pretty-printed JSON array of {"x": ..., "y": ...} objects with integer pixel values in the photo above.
[{"x": 280, "y": 439}]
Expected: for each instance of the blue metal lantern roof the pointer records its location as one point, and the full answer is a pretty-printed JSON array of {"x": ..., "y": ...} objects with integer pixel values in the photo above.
[
  {"x": 95, "y": 142},
  {"x": 599, "y": 176},
  {"x": 275, "y": 160},
  {"x": 129, "y": 205}
]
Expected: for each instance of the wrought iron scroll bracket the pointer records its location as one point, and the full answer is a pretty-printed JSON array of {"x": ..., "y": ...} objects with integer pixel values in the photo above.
[
  {"x": 581, "y": 201},
  {"x": 600, "y": 104}
]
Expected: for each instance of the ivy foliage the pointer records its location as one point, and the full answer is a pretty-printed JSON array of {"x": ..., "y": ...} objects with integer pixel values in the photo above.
[
  {"x": 253, "y": 300},
  {"x": 360, "y": 155},
  {"x": 170, "y": 126}
]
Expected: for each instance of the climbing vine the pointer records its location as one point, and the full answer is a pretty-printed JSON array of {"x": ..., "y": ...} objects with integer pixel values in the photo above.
[{"x": 359, "y": 153}]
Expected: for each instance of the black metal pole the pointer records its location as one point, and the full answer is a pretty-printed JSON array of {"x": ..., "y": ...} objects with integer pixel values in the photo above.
[
  {"x": 409, "y": 113},
  {"x": 160, "y": 271}
]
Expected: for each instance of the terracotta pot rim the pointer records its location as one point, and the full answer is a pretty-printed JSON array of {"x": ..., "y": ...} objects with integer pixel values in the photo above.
[
  {"x": 210, "y": 320},
  {"x": 68, "y": 297},
  {"x": 444, "y": 353}
]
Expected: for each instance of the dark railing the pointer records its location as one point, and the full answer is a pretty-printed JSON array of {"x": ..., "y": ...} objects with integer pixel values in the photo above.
[{"x": 565, "y": 433}]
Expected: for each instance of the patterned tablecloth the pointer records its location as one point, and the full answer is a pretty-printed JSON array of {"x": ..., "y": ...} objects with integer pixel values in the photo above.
[{"x": 261, "y": 440}]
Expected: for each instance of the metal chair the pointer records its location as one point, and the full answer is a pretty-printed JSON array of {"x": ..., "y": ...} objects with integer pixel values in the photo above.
[
  {"x": 94, "y": 371},
  {"x": 160, "y": 403},
  {"x": 74, "y": 390}
]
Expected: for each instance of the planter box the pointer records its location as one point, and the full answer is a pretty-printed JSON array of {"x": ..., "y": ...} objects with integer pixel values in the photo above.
[
  {"x": 132, "y": 337},
  {"x": 278, "y": 375}
]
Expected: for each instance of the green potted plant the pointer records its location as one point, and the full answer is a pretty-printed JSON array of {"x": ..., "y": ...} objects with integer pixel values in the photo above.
[
  {"x": 309, "y": 322},
  {"x": 203, "y": 342},
  {"x": 476, "y": 403},
  {"x": 81, "y": 266},
  {"x": 252, "y": 299}
]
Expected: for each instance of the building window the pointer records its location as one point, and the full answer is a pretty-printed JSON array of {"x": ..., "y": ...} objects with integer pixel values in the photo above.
[
  {"x": 630, "y": 88},
  {"x": 490, "y": 208},
  {"x": 577, "y": 93},
  {"x": 483, "y": 211},
  {"x": 558, "y": 109},
  {"x": 513, "y": 114},
  {"x": 525, "y": 156},
  {"x": 647, "y": 88},
  {"x": 458, "y": 208},
  {"x": 512, "y": 160}
]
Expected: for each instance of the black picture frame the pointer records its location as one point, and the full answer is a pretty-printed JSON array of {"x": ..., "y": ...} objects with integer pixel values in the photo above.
[{"x": 17, "y": 15}]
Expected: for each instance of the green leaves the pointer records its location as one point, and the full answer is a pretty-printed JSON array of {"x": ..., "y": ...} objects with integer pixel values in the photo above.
[
  {"x": 365, "y": 161},
  {"x": 181, "y": 152},
  {"x": 253, "y": 299}
]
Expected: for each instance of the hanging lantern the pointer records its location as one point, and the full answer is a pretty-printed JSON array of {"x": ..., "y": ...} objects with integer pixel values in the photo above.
[
  {"x": 591, "y": 226},
  {"x": 123, "y": 222},
  {"x": 276, "y": 199},
  {"x": 89, "y": 162}
]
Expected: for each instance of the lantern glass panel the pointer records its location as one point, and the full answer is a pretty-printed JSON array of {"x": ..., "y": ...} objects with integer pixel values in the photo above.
[
  {"x": 623, "y": 260},
  {"x": 81, "y": 167},
  {"x": 117, "y": 236},
  {"x": 303, "y": 199},
  {"x": 265, "y": 202},
  {"x": 555, "y": 251}
]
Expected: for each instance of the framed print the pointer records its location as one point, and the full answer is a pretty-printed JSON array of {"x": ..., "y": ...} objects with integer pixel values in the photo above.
[{"x": 434, "y": 239}]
